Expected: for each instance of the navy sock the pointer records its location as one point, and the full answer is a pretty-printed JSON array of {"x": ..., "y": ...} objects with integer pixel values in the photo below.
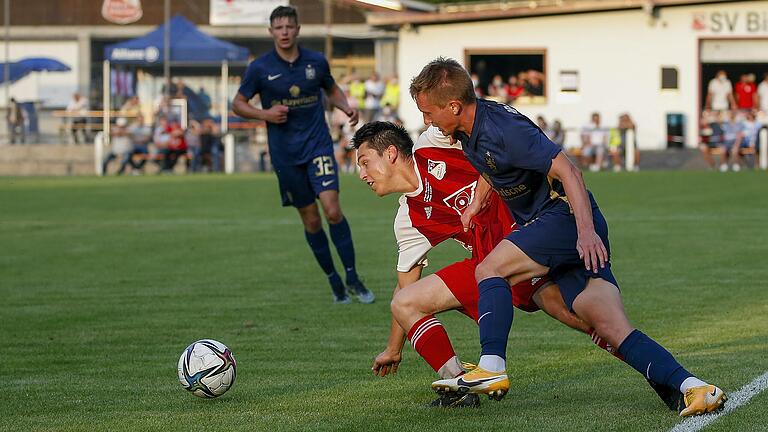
[
  {"x": 318, "y": 242},
  {"x": 495, "y": 316},
  {"x": 342, "y": 238},
  {"x": 652, "y": 360}
]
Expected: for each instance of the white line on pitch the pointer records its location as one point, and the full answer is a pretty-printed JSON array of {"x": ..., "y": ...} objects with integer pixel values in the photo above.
[{"x": 735, "y": 400}]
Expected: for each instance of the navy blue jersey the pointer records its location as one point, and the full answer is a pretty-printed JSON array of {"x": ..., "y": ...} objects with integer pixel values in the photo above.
[
  {"x": 299, "y": 86},
  {"x": 514, "y": 156}
]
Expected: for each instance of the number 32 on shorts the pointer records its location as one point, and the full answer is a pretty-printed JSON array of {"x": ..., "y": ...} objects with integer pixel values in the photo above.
[{"x": 324, "y": 166}]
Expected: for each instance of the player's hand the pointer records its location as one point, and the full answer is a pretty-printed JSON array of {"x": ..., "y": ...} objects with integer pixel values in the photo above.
[
  {"x": 354, "y": 116},
  {"x": 277, "y": 114},
  {"x": 473, "y": 209},
  {"x": 592, "y": 250},
  {"x": 386, "y": 363}
]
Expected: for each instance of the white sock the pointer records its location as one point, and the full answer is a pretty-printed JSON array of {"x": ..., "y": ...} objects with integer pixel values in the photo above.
[
  {"x": 451, "y": 369},
  {"x": 493, "y": 363},
  {"x": 691, "y": 382}
]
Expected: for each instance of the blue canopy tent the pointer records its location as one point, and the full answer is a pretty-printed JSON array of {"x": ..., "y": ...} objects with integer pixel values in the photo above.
[
  {"x": 20, "y": 69},
  {"x": 188, "y": 47}
]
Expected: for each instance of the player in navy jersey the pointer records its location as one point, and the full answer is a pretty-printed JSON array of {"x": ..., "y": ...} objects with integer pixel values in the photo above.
[
  {"x": 292, "y": 83},
  {"x": 562, "y": 233}
]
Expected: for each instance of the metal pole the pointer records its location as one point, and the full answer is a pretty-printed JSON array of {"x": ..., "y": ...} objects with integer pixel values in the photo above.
[
  {"x": 167, "y": 49},
  {"x": 328, "y": 14},
  {"x": 629, "y": 150},
  {"x": 764, "y": 148},
  {"x": 106, "y": 102},
  {"x": 7, "y": 65},
  {"x": 224, "y": 97}
]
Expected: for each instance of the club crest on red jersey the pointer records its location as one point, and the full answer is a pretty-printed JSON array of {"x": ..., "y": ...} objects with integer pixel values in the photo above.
[
  {"x": 460, "y": 199},
  {"x": 122, "y": 11},
  {"x": 437, "y": 168}
]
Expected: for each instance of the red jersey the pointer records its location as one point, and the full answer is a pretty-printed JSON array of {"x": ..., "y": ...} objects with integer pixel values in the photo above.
[
  {"x": 432, "y": 213},
  {"x": 745, "y": 95}
]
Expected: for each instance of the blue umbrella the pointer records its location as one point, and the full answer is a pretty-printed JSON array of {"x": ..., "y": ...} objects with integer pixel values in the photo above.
[{"x": 23, "y": 67}]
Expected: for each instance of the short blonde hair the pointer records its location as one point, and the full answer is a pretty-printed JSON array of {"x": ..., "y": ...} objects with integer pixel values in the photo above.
[{"x": 443, "y": 80}]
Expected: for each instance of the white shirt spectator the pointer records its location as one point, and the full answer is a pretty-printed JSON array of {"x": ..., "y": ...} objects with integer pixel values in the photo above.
[
  {"x": 762, "y": 94},
  {"x": 373, "y": 92},
  {"x": 598, "y": 136},
  {"x": 77, "y": 106},
  {"x": 720, "y": 89}
]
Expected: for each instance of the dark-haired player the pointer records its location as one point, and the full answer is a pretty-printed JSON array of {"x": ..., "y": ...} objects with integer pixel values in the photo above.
[
  {"x": 290, "y": 81},
  {"x": 562, "y": 234},
  {"x": 437, "y": 183}
]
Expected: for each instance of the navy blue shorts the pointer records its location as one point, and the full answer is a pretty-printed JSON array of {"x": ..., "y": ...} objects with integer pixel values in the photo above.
[
  {"x": 550, "y": 240},
  {"x": 301, "y": 184}
]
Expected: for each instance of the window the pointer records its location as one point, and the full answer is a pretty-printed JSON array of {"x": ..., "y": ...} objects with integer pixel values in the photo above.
[
  {"x": 509, "y": 76},
  {"x": 669, "y": 78}
]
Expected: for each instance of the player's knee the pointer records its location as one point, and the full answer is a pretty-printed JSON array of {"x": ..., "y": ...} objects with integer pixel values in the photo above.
[
  {"x": 312, "y": 224},
  {"x": 486, "y": 270},
  {"x": 334, "y": 215},
  {"x": 401, "y": 305}
]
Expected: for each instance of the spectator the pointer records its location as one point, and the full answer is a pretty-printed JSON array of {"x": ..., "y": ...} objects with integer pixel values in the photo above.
[
  {"x": 76, "y": 110},
  {"x": 192, "y": 138},
  {"x": 541, "y": 122},
  {"x": 120, "y": 147},
  {"x": 15, "y": 119},
  {"x": 558, "y": 133},
  {"x": 534, "y": 86},
  {"x": 391, "y": 93},
  {"x": 720, "y": 93},
  {"x": 211, "y": 148},
  {"x": 374, "y": 90},
  {"x": 357, "y": 91},
  {"x": 746, "y": 139},
  {"x": 514, "y": 91},
  {"x": 204, "y": 98},
  {"x": 387, "y": 114},
  {"x": 497, "y": 90},
  {"x": 746, "y": 93},
  {"x": 140, "y": 136},
  {"x": 731, "y": 130},
  {"x": 476, "y": 84},
  {"x": 130, "y": 108},
  {"x": 711, "y": 138},
  {"x": 762, "y": 94},
  {"x": 617, "y": 143},
  {"x": 177, "y": 147},
  {"x": 594, "y": 139}
]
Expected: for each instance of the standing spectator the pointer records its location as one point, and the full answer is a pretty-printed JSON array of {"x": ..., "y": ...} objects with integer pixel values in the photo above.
[
  {"x": 76, "y": 110},
  {"x": 535, "y": 84},
  {"x": 720, "y": 93},
  {"x": 497, "y": 90},
  {"x": 121, "y": 147},
  {"x": 204, "y": 98},
  {"x": 594, "y": 139},
  {"x": 357, "y": 91},
  {"x": 391, "y": 93},
  {"x": 514, "y": 90},
  {"x": 210, "y": 146},
  {"x": 374, "y": 90},
  {"x": 746, "y": 93},
  {"x": 194, "y": 148},
  {"x": 762, "y": 94},
  {"x": 15, "y": 119},
  {"x": 541, "y": 122}
]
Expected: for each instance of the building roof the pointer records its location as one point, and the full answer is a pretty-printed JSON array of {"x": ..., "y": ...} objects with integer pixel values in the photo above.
[{"x": 481, "y": 11}]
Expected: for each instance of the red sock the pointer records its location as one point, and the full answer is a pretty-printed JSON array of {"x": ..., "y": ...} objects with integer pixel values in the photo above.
[
  {"x": 430, "y": 340},
  {"x": 604, "y": 345}
]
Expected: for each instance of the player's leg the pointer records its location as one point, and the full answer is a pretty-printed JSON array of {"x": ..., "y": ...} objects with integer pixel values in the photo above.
[
  {"x": 296, "y": 191},
  {"x": 323, "y": 177},
  {"x": 600, "y": 305}
]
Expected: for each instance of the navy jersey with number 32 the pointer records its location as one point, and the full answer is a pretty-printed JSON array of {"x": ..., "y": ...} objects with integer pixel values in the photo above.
[{"x": 299, "y": 86}]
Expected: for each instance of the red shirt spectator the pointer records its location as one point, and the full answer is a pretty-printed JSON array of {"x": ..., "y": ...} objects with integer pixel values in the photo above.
[{"x": 745, "y": 93}]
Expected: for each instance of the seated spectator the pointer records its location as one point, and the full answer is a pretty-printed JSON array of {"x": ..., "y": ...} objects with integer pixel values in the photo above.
[
  {"x": 731, "y": 128},
  {"x": 748, "y": 131},
  {"x": 617, "y": 142},
  {"x": 541, "y": 122},
  {"x": 120, "y": 146},
  {"x": 557, "y": 133},
  {"x": 594, "y": 139},
  {"x": 78, "y": 106},
  {"x": 192, "y": 138},
  {"x": 712, "y": 138},
  {"x": 140, "y": 136},
  {"x": 14, "y": 117},
  {"x": 476, "y": 84},
  {"x": 374, "y": 90},
  {"x": 387, "y": 114},
  {"x": 534, "y": 86}
]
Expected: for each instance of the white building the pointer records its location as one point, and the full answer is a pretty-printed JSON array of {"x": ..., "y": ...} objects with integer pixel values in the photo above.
[{"x": 607, "y": 56}]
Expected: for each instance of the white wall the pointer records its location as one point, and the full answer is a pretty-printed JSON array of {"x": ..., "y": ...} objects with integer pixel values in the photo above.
[
  {"x": 51, "y": 88},
  {"x": 618, "y": 55}
]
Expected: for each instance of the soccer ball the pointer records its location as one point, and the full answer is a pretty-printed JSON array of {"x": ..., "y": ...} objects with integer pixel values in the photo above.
[{"x": 207, "y": 368}]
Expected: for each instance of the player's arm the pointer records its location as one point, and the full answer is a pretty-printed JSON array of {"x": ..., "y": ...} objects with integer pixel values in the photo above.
[
  {"x": 482, "y": 194},
  {"x": 277, "y": 114},
  {"x": 389, "y": 359},
  {"x": 338, "y": 99},
  {"x": 589, "y": 244}
]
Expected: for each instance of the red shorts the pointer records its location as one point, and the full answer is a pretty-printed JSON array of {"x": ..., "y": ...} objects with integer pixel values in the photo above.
[{"x": 460, "y": 279}]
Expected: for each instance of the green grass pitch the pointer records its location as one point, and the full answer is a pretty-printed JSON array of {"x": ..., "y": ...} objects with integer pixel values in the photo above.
[{"x": 104, "y": 281}]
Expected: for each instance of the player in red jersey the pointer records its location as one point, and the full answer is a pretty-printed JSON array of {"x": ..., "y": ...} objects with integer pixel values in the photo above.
[{"x": 438, "y": 183}]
